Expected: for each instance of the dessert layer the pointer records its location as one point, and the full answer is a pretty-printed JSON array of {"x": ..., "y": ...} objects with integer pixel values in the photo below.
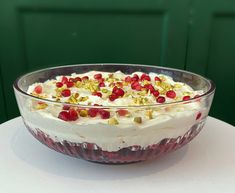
[{"x": 113, "y": 128}]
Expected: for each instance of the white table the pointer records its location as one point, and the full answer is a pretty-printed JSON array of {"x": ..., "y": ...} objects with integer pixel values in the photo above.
[{"x": 207, "y": 164}]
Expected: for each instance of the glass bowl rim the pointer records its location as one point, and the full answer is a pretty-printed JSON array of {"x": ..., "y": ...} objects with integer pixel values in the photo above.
[{"x": 210, "y": 91}]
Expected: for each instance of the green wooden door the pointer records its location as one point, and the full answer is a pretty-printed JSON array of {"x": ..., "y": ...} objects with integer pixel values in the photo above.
[
  {"x": 37, "y": 34},
  {"x": 2, "y": 102},
  {"x": 212, "y": 51}
]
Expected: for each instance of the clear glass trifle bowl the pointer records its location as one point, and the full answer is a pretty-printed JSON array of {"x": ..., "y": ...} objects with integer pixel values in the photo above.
[{"x": 114, "y": 132}]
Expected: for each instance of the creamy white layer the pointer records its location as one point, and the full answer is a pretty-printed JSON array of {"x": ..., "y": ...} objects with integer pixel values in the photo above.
[{"x": 114, "y": 137}]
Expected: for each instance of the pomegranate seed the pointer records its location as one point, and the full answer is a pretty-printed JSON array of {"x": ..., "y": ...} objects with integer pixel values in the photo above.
[
  {"x": 92, "y": 112},
  {"x": 199, "y": 114},
  {"x": 155, "y": 93},
  {"x": 41, "y": 103},
  {"x": 161, "y": 99},
  {"x": 138, "y": 87},
  {"x": 171, "y": 94},
  {"x": 114, "y": 89},
  {"x": 73, "y": 115},
  {"x": 113, "y": 97},
  {"x": 104, "y": 114},
  {"x": 97, "y": 105},
  {"x": 101, "y": 80},
  {"x": 128, "y": 79},
  {"x": 70, "y": 84},
  {"x": 149, "y": 87},
  {"x": 119, "y": 84},
  {"x": 122, "y": 112},
  {"x": 185, "y": 98},
  {"x": 134, "y": 85},
  {"x": 136, "y": 76},
  {"x": 64, "y": 80},
  {"x": 85, "y": 78},
  {"x": 99, "y": 94},
  {"x": 71, "y": 80},
  {"x": 38, "y": 89},
  {"x": 119, "y": 92},
  {"x": 59, "y": 84},
  {"x": 134, "y": 79},
  {"x": 66, "y": 93},
  {"x": 66, "y": 107},
  {"x": 78, "y": 79},
  {"x": 142, "y": 76},
  {"x": 97, "y": 76},
  {"x": 157, "y": 78},
  {"x": 101, "y": 84},
  {"x": 64, "y": 115},
  {"x": 145, "y": 77}
]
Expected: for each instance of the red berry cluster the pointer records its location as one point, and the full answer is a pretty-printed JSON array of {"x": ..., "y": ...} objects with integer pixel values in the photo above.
[
  {"x": 69, "y": 83},
  {"x": 72, "y": 114},
  {"x": 100, "y": 79},
  {"x": 135, "y": 82},
  {"x": 116, "y": 93}
]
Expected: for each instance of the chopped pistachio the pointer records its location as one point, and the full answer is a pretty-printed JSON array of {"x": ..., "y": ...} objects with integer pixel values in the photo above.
[
  {"x": 104, "y": 90},
  {"x": 83, "y": 113},
  {"x": 149, "y": 114},
  {"x": 125, "y": 83},
  {"x": 163, "y": 78},
  {"x": 178, "y": 98},
  {"x": 162, "y": 92},
  {"x": 166, "y": 86},
  {"x": 178, "y": 85},
  {"x": 126, "y": 95},
  {"x": 57, "y": 99},
  {"x": 146, "y": 82},
  {"x": 82, "y": 99},
  {"x": 78, "y": 84},
  {"x": 145, "y": 100},
  {"x": 113, "y": 121},
  {"x": 187, "y": 93},
  {"x": 59, "y": 89},
  {"x": 142, "y": 92},
  {"x": 158, "y": 83},
  {"x": 72, "y": 100},
  {"x": 40, "y": 105},
  {"x": 76, "y": 95},
  {"x": 138, "y": 120}
]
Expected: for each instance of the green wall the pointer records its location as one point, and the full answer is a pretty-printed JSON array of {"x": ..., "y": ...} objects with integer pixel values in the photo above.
[{"x": 187, "y": 34}]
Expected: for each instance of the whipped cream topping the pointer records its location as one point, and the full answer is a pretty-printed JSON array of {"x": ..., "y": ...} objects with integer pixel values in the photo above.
[{"x": 49, "y": 89}]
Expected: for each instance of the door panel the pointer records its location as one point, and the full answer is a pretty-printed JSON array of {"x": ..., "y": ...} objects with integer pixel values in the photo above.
[
  {"x": 211, "y": 52},
  {"x": 37, "y": 34},
  {"x": 92, "y": 37}
]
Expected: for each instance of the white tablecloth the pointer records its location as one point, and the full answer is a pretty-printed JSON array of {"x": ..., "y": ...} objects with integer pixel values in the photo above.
[{"x": 207, "y": 164}]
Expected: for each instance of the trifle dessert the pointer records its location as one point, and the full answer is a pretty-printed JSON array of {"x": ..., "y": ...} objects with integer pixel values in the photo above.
[{"x": 114, "y": 114}]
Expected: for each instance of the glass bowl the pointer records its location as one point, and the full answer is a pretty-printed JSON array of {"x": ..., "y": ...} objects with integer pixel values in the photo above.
[{"x": 176, "y": 124}]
